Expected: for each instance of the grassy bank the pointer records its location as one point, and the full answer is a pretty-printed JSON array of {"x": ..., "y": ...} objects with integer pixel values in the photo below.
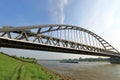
[{"x": 15, "y": 69}]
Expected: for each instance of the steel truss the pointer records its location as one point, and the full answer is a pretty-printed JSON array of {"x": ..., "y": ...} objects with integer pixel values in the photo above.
[{"x": 25, "y": 33}]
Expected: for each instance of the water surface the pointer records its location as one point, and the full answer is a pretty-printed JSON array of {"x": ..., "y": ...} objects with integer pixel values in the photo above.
[{"x": 85, "y": 70}]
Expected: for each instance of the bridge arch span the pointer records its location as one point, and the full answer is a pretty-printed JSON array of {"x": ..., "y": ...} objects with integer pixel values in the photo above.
[{"x": 76, "y": 36}]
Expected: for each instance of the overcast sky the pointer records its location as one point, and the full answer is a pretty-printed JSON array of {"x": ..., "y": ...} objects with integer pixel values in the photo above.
[{"x": 99, "y": 16}]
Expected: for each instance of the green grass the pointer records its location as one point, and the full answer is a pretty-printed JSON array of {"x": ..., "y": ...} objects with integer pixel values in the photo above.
[{"x": 14, "y": 69}]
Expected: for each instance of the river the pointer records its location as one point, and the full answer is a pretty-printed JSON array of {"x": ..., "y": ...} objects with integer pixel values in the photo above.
[{"x": 85, "y": 70}]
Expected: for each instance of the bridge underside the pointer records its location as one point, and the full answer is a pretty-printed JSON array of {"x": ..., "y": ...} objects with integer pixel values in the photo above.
[{"x": 43, "y": 47}]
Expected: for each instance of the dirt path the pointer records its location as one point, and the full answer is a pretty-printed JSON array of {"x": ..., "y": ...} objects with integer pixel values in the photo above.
[{"x": 19, "y": 72}]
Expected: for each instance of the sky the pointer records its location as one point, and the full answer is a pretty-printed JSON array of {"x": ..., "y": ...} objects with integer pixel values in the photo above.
[{"x": 99, "y": 16}]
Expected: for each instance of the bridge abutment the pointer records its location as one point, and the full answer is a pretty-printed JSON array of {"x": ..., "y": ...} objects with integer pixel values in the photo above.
[{"x": 115, "y": 60}]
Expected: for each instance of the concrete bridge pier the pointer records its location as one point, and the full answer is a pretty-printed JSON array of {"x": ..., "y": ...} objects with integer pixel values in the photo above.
[{"x": 115, "y": 60}]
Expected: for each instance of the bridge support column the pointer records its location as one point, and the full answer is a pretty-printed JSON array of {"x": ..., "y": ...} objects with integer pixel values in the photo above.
[{"x": 115, "y": 60}]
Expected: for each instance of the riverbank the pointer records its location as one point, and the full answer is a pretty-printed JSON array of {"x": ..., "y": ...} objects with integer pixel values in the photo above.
[{"x": 13, "y": 68}]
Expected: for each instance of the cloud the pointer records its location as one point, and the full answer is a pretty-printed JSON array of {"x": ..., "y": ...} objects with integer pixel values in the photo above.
[
  {"x": 57, "y": 10},
  {"x": 103, "y": 13},
  {"x": 115, "y": 40},
  {"x": 104, "y": 21},
  {"x": 62, "y": 5},
  {"x": 108, "y": 19}
]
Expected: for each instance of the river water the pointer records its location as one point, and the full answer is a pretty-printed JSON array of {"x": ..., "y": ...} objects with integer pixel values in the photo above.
[{"x": 85, "y": 70}]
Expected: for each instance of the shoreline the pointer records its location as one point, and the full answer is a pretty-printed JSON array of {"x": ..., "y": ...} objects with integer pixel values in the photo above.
[{"x": 62, "y": 77}]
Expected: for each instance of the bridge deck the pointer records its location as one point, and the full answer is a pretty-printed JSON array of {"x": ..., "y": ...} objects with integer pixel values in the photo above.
[{"x": 12, "y": 43}]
